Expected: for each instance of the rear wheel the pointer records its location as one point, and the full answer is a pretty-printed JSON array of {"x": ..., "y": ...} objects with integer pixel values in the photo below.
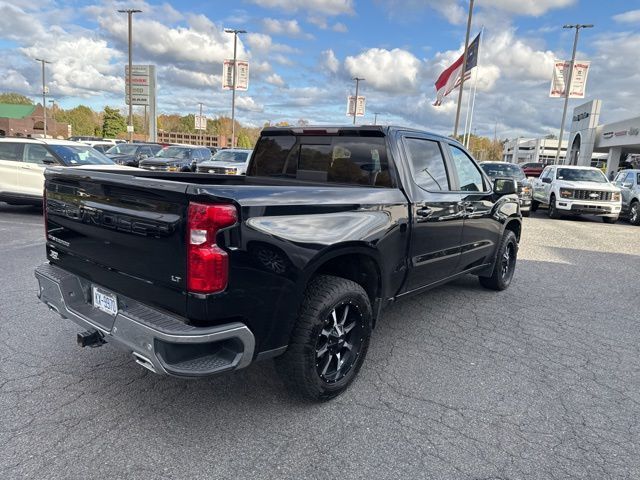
[
  {"x": 505, "y": 265},
  {"x": 634, "y": 213},
  {"x": 329, "y": 341},
  {"x": 553, "y": 210}
]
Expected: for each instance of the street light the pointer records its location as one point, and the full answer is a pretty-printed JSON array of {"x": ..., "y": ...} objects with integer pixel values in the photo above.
[
  {"x": 130, "y": 12},
  {"x": 44, "y": 95},
  {"x": 233, "y": 90},
  {"x": 567, "y": 88},
  {"x": 355, "y": 103}
]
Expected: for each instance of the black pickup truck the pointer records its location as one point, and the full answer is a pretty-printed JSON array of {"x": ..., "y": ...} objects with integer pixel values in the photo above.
[{"x": 197, "y": 274}]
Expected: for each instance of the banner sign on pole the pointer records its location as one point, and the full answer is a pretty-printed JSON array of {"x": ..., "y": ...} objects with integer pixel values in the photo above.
[
  {"x": 200, "y": 122},
  {"x": 561, "y": 77},
  {"x": 351, "y": 100},
  {"x": 242, "y": 75}
]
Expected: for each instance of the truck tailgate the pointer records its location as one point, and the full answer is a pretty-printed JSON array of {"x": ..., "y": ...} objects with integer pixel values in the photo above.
[{"x": 122, "y": 232}]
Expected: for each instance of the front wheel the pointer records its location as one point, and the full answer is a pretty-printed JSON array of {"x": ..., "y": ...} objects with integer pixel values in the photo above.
[
  {"x": 553, "y": 210},
  {"x": 329, "y": 341},
  {"x": 505, "y": 265},
  {"x": 634, "y": 213},
  {"x": 534, "y": 205}
]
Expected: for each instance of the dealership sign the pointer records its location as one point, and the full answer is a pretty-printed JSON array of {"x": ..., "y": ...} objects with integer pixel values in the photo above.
[
  {"x": 560, "y": 78},
  {"x": 351, "y": 102},
  {"x": 143, "y": 84}
]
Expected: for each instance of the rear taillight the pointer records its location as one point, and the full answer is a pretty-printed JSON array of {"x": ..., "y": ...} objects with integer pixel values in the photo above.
[{"x": 207, "y": 263}]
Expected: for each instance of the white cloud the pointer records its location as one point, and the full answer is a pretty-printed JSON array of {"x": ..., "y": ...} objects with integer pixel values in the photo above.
[
  {"x": 393, "y": 71},
  {"x": 275, "y": 79},
  {"x": 259, "y": 41},
  {"x": 248, "y": 103},
  {"x": 325, "y": 7},
  {"x": 329, "y": 62},
  {"x": 171, "y": 75},
  {"x": 632, "y": 16},
  {"x": 340, "y": 27},
  {"x": 13, "y": 80},
  {"x": 290, "y": 28},
  {"x": 527, "y": 7}
]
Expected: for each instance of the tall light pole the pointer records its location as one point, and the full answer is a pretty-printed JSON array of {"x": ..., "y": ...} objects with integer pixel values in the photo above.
[
  {"x": 375, "y": 118},
  {"x": 130, "y": 12},
  {"x": 44, "y": 95},
  {"x": 567, "y": 88},
  {"x": 355, "y": 103},
  {"x": 200, "y": 124},
  {"x": 235, "y": 32}
]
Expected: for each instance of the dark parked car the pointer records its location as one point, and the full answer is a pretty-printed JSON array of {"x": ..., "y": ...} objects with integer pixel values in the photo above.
[
  {"x": 130, "y": 154},
  {"x": 532, "y": 169},
  {"x": 177, "y": 158},
  {"x": 511, "y": 170},
  {"x": 197, "y": 275}
]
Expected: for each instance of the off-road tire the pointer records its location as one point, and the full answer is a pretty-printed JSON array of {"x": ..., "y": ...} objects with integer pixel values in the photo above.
[
  {"x": 299, "y": 365},
  {"x": 499, "y": 279}
]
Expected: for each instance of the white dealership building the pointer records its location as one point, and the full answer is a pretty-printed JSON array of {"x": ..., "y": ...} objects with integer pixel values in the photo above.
[{"x": 615, "y": 142}]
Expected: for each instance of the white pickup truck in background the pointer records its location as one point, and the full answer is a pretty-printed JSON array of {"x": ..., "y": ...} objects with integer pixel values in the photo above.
[{"x": 573, "y": 190}]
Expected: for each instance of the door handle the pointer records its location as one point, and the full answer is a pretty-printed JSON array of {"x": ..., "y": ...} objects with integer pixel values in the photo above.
[
  {"x": 424, "y": 212},
  {"x": 468, "y": 207}
]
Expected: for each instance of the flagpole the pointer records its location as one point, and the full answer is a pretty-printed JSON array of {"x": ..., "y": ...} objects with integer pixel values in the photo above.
[
  {"x": 473, "y": 103},
  {"x": 475, "y": 89},
  {"x": 466, "y": 121},
  {"x": 464, "y": 70}
]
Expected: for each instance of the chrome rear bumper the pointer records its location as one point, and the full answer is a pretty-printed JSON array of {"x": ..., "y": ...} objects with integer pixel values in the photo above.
[{"x": 161, "y": 342}]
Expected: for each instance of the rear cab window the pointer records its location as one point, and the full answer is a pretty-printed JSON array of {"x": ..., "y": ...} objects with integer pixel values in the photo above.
[{"x": 339, "y": 159}]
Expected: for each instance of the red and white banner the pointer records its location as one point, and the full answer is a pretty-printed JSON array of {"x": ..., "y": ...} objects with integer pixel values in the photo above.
[{"x": 560, "y": 79}]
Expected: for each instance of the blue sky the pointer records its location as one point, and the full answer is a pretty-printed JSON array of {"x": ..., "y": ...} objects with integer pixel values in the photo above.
[{"x": 303, "y": 54}]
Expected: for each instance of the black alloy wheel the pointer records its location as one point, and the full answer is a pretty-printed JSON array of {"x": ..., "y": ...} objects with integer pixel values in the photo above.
[
  {"x": 330, "y": 339},
  {"x": 505, "y": 264},
  {"x": 553, "y": 210},
  {"x": 339, "y": 342}
]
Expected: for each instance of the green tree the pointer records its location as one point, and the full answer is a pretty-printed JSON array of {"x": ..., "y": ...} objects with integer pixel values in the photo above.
[
  {"x": 113, "y": 123},
  {"x": 15, "y": 98},
  {"x": 244, "y": 141},
  {"x": 83, "y": 120}
]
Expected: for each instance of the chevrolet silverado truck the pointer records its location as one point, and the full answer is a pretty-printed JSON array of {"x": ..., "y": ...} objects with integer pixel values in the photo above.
[
  {"x": 196, "y": 274},
  {"x": 575, "y": 190}
]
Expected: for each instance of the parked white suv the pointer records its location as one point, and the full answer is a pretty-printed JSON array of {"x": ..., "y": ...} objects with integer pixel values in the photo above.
[
  {"x": 573, "y": 190},
  {"x": 23, "y": 161}
]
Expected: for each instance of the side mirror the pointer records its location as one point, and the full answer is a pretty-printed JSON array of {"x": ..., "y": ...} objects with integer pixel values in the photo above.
[
  {"x": 504, "y": 186},
  {"x": 48, "y": 161},
  {"x": 546, "y": 180}
]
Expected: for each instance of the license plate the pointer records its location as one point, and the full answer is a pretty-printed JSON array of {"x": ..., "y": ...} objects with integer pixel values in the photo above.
[{"x": 105, "y": 301}]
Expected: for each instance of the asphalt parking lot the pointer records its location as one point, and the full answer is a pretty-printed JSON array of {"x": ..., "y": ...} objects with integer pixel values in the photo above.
[{"x": 541, "y": 381}]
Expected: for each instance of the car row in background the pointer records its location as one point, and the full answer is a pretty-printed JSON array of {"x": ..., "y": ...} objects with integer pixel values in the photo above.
[
  {"x": 23, "y": 161},
  {"x": 511, "y": 170},
  {"x": 130, "y": 154}
]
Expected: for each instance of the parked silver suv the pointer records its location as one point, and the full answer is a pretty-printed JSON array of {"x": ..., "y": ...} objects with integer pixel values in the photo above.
[{"x": 629, "y": 183}]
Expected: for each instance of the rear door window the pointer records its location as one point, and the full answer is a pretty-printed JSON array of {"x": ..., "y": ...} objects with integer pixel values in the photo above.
[
  {"x": 427, "y": 164},
  {"x": 351, "y": 160},
  {"x": 11, "y": 151}
]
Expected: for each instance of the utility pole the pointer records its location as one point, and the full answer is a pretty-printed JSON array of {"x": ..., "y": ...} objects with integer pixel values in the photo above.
[
  {"x": 464, "y": 69},
  {"x": 233, "y": 90},
  {"x": 567, "y": 88},
  {"x": 375, "y": 118},
  {"x": 44, "y": 95},
  {"x": 130, "y": 12},
  {"x": 355, "y": 103},
  {"x": 200, "y": 125}
]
